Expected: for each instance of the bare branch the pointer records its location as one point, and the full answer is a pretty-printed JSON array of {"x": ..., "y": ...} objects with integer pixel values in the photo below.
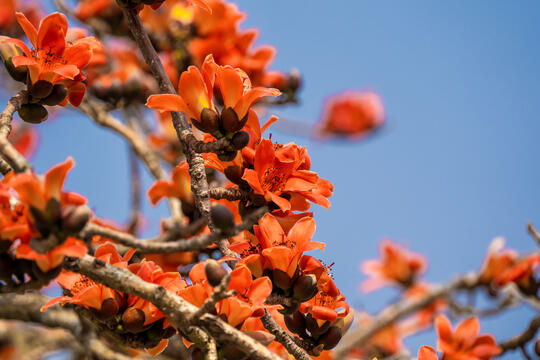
[
  {"x": 531, "y": 229},
  {"x": 283, "y": 337},
  {"x": 177, "y": 310},
  {"x": 519, "y": 341},
  {"x": 13, "y": 158}
]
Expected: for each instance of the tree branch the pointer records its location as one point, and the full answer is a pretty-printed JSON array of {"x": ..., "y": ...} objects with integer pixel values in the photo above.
[
  {"x": 283, "y": 337},
  {"x": 12, "y": 157}
]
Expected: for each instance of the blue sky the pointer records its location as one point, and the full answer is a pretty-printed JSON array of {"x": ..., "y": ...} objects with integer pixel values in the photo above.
[{"x": 455, "y": 166}]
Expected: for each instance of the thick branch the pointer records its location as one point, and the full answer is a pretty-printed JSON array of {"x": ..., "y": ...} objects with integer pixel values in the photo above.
[
  {"x": 8, "y": 152},
  {"x": 177, "y": 310},
  {"x": 227, "y": 194}
]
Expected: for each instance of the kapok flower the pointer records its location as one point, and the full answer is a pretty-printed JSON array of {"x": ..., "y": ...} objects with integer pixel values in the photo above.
[
  {"x": 281, "y": 173},
  {"x": 275, "y": 249},
  {"x": 37, "y": 192},
  {"x": 249, "y": 298},
  {"x": 497, "y": 260},
  {"x": 13, "y": 219},
  {"x": 464, "y": 343},
  {"x": 328, "y": 305},
  {"x": 89, "y": 294},
  {"x": 352, "y": 114},
  {"x": 522, "y": 273},
  {"x": 427, "y": 353},
  {"x": 53, "y": 258},
  {"x": 196, "y": 93},
  {"x": 52, "y": 59},
  {"x": 179, "y": 186},
  {"x": 384, "y": 343},
  {"x": 150, "y": 272},
  {"x": 396, "y": 266}
]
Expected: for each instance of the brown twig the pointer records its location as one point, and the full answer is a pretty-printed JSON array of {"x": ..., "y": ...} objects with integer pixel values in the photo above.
[
  {"x": 199, "y": 184},
  {"x": 177, "y": 310},
  {"x": 522, "y": 339},
  {"x": 283, "y": 337},
  {"x": 12, "y": 157},
  {"x": 135, "y": 215},
  {"x": 230, "y": 194},
  {"x": 393, "y": 313},
  {"x": 531, "y": 229},
  {"x": 196, "y": 243},
  {"x": 220, "y": 292}
]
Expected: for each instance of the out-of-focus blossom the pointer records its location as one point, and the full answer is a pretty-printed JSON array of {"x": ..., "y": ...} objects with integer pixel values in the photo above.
[
  {"x": 396, "y": 266},
  {"x": 351, "y": 115},
  {"x": 464, "y": 343}
]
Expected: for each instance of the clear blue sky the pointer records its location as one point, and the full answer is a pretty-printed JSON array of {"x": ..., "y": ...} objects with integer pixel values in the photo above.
[{"x": 456, "y": 165}]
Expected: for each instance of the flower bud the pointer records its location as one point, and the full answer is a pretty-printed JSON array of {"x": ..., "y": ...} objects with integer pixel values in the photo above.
[
  {"x": 209, "y": 121},
  {"x": 222, "y": 217},
  {"x": 313, "y": 326},
  {"x": 234, "y": 174},
  {"x": 194, "y": 353},
  {"x": 17, "y": 73},
  {"x": 281, "y": 279},
  {"x": 330, "y": 338},
  {"x": 40, "y": 89},
  {"x": 305, "y": 287},
  {"x": 261, "y": 336},
  {"x": 214, "y": 272},
  {"x": 33, "y": 113},
  {"x": 537, "y": 346},
  {"x": 345, "y": 323},
  {"x": 296, "y": 322},
  {"x": 133, "y": 320},
  {"x": 229, "y": 120},
  {"x": 41, "y": 223},
  {"x": 109, "y": 308},
  {"x": 294, "y": 81},
  {"x": 57, "y": 95},
  {"x": 227, "y": 155},
  {"x": 74, "y": 218},
  {"x": 240, "y": 140}
]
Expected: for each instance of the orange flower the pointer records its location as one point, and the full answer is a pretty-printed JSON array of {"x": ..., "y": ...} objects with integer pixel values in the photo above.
[
  {"x": 24, "y": 138},
  {"x": 275, "y": 249},
  {"x": 179, "y": 186},
  {"x": 427, "y": 353},
  {"x": 284, "y": 170},
  {"x": 150, "y": 272},
  {"x": 7, "y": 9},
  {"x": 397, "y": 265},
  {"x": 328, "y": 305},
  {"x": 464, "y": 343},
  {"x": 196, "y": 92},
  {"x": 52, "y": 259},
  {"x": 522, "y": 273},
  {"x": 249, "y": 299},
  {"x": 13, "y": 219},
  {"x": 384, "y": 343},
  {"x": 87, "y": 293},
  {"x": 497, "y": 260},
  {"x": 352, "y": 114},
  {"x": 37, "y": 192},
  {"x": 52, "y": 58}
]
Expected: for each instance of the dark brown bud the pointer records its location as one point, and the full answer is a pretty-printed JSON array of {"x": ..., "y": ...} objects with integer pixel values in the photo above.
[
  {"x": 287, "y": 310},
  {"x": 17, "y": 73},
  {"x": 294, "y": 81},
  {"x": 313, "y": 326},
  {"x": 109, "y": 308},
  {"x": 33, "y": 113},
  {"x": 133, "y": 320},
  {"x": 194, "y": 353},
  {"x": 74, "y": 218},
  {"x": 537, "y": 346},
  {"x": 240, "y": 140},
  {"x": 261, "y": 336},
  {"x": 57, "y": 95},
  {"x": 209, "y": 121},
  {"x": 222, "y": 217},
  {"x": 41, "y": 222},
  {"x": 305, "y": 287},
  {"x": 234, "y": 174},
  {"x": 230, "y": 121},
  {"x": 40, "y": 89},
  {"x": 330, "y": 338},
  {"x": 281, "y": 279},
  {"x": 7, "y": 267},
  {"x": 214, "y": 272},
  {"x": 227, "y": 155},
  {"x": 53, "y": 211},
  {"x": 296, "y": 322}
]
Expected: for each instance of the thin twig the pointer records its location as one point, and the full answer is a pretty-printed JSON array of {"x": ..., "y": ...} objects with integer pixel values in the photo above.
[
  {"x": 220, "y": 292},
  {"x": 12, "y": 157},
  {"x": 531, "y": 229},
  {"x": 283, "y": 337},
  {"x": 522, "y": 339}
]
